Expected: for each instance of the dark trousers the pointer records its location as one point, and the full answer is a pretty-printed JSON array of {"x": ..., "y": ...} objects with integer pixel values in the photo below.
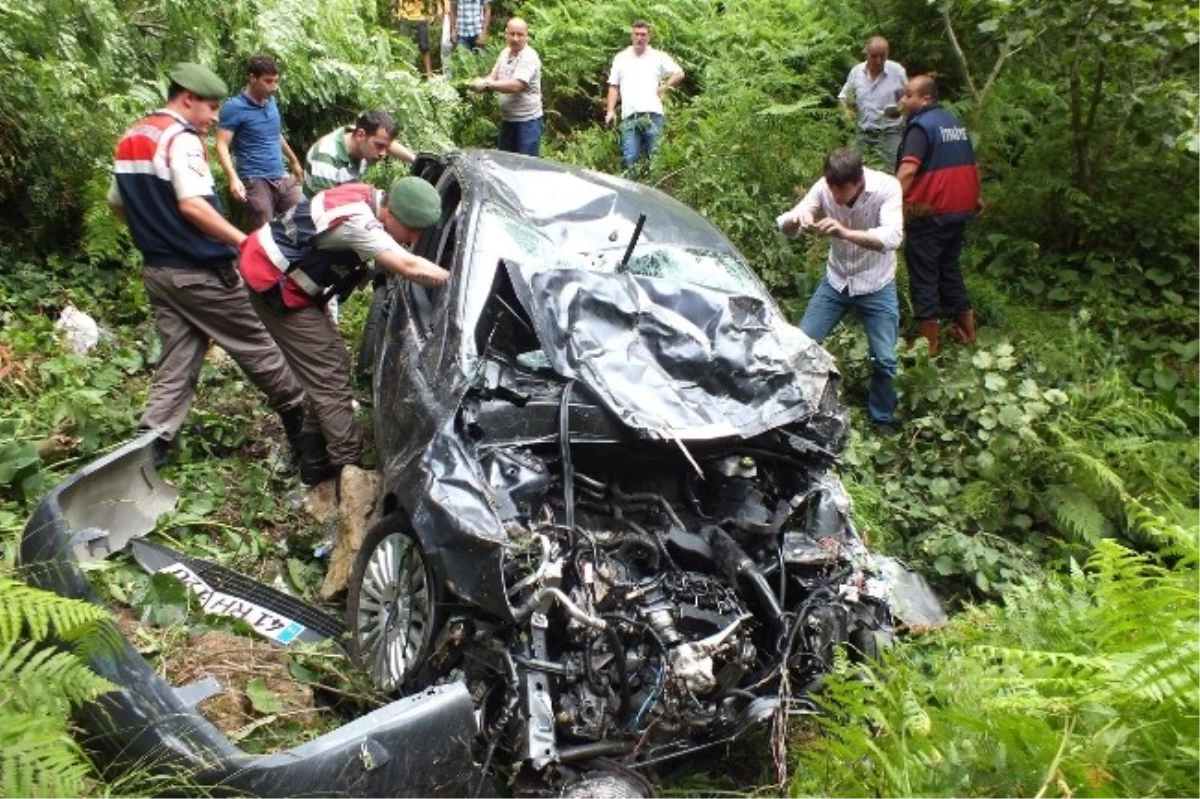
[
  {"x": 935, "y": 280},
  {"x": 269, "y": 197},
  {"x": 318, "y": 357},
  {"x": 193, "y": 309}
]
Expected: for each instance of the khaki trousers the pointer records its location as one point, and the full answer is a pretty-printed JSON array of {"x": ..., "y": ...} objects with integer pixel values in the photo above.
[
  {"x": 193, "y": 308},
  {"x": 318, "y": 356}
]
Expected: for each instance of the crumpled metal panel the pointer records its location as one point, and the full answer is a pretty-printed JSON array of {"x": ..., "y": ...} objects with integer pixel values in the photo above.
[
  {"x": 673, "y": 360},
  {"x": 420, "y": 745}
]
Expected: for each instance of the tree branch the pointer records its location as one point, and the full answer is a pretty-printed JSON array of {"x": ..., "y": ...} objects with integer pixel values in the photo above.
[{"x": 962, "y": 57}]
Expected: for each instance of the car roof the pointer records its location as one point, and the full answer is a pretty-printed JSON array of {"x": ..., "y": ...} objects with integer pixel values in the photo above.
[{"x": 600, "y": 210}]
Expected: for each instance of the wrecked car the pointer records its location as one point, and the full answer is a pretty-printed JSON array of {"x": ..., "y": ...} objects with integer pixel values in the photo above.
[
  {"x": 609, "y": 536},
  {"x": 606, "y": 500}
]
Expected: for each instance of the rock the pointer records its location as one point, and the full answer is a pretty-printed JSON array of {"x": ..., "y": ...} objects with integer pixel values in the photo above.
[
  {"x": 79, "y": 331},
  {"x": 320, "y": 501},
  {"x": 218, "y": 357},
  {"x": 356, "y": 508}
]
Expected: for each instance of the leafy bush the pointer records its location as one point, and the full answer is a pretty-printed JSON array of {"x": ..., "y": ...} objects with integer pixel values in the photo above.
[{"x": 1004, "y": 464}]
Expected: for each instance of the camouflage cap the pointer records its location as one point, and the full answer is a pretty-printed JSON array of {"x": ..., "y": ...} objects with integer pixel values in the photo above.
[
  {"x": 199, "y": 80},
  {"x": 414, "y": 203}
]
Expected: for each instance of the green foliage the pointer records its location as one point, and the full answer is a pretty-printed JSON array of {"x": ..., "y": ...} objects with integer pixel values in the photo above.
[
  {"x": 749, "y": 128},
  {"x": 1003, "y": 464},
  {"x": 1070, "y": 427},
  {"x": 77, "y": 74},
  {"x": 1065, "y": 690},
  {"x": 39, "y": 686}
]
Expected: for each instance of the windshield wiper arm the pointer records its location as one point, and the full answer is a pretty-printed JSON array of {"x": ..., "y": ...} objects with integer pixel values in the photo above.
[{"x": 623, "y": 267}]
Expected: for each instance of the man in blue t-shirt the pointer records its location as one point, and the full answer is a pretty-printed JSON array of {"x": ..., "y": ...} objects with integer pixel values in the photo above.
[{"x": 251, "y": 123}]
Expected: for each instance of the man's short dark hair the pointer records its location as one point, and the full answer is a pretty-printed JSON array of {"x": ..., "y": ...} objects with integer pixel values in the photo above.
[
  {"x": 640, "y": 23},
  {"x": 372, "y": 121},
  {"x": 261, "y": 64},
  {"x": 843, "y": 167},
  {"x": 174, "y": 90}
]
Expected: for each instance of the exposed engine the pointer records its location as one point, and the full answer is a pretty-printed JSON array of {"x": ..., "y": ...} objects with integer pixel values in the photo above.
[{"x": 661, "y": 604}]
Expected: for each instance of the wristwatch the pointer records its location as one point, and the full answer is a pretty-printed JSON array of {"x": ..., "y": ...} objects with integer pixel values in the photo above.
[{"x": 487, "y": 85}]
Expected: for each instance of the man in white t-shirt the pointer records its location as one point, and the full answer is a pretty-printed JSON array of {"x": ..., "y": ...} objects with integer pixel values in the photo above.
[
  {"x": 639, "y": 78},
  {"x": 517, "y": 81}
]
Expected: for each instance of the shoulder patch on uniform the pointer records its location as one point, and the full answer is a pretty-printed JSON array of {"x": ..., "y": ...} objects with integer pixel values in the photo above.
[{"x": 197, "y": 162}]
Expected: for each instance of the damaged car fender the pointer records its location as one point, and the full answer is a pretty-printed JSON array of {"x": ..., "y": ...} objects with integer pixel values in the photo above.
[{"x": 419, "y": 745}]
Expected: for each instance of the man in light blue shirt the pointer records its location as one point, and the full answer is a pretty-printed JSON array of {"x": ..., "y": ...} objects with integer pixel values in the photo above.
[
  {"x": 871, "y": 98},
  {"x": 250, "y": 122}
]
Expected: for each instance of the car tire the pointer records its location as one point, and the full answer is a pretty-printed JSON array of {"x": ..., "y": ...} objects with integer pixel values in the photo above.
[{"x": 393, "y": 606}]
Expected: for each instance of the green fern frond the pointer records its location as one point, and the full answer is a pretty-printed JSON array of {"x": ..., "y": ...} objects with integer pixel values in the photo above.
[
  {"x": 1051, "y": 662},
  {"x": 1090, "y": 471},
  {"x": 1172, "y": 540},
  {"x": 1077, "y": 512},
  {"x": 38, "y": 757},
  {"x": 34, "y": 674},
  {"x": 1161, "y": 674},
  {"x": 35, "y": 613}
]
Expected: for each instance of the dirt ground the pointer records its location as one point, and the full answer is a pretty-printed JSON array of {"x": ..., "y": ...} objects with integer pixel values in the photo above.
[{"x": 234, "y": 661}]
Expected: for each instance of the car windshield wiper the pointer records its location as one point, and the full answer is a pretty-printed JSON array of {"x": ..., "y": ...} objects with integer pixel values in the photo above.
[{"x": 623, "y": 267}]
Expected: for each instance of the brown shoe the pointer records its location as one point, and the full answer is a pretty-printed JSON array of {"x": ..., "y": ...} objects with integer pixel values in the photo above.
[
  {"x": 964, "y": 327},
  {"x": 929, "y": 331}
]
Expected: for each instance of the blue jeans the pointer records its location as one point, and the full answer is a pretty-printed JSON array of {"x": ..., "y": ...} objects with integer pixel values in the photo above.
[
  {"x": 880, "y": 313},
  {"x": 521, "y": 137},
  {"x": 639, "y": 135}
]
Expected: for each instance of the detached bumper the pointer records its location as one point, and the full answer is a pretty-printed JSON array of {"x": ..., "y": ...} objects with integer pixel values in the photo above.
[{"x": 416, "y": 746}]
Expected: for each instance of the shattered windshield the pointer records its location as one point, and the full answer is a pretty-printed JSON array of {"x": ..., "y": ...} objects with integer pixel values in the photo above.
[
  {"x": 714, "y": 270},
  {"x": 599, "y": 246}
]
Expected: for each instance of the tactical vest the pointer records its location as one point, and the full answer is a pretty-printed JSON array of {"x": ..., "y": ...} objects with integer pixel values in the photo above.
[
  {"x": 947, "y": 183},
  {"x": 290, "y": 243},
  {"x": 142, "y": 169}
]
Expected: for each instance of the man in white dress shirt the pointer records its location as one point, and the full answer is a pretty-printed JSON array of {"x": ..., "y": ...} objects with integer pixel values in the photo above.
[
  {"x": 861, "y": 211},
  {"x": 639, "y": 78},
  {"x": 871, "y": 97}
]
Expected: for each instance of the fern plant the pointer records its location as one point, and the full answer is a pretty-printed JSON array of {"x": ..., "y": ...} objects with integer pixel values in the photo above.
[
  {"x": 1083, "y": 685},
  {"x": 40, "y": 684}
]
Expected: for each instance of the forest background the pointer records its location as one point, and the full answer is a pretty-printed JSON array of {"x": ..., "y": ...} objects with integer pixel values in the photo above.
[{"x": 1045, "y": 480}]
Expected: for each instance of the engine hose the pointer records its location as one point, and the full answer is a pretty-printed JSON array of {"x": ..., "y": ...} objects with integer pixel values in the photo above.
[
  {"x": 737, "y": 563},
  {"x": 618, "y": 651},
  {"x": 568, "y": 468},
  {"x": 574, "y": 754},
  {"x": 573, "y": 610},
  {"x": 821, "y": 592},
  {"x": 649, "y": 499}
]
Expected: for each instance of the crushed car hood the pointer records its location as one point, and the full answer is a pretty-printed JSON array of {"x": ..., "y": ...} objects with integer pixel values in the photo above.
[{"x": 672, "y": 360}]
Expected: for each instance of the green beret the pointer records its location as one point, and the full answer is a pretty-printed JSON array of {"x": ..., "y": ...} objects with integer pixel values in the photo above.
[
  {"x": 414, "y": 203},
  {"x": 199, "y": 80}
]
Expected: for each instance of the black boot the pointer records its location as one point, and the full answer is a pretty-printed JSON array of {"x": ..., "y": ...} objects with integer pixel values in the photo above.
[
  {"x": 162, "y": 451},
  {"x": 293, "y": 428},
  {"x": 314, "y": 459}
]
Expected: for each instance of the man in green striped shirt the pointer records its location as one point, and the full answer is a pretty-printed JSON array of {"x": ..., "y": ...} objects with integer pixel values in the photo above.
[{"x": 342, "y": 155}]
